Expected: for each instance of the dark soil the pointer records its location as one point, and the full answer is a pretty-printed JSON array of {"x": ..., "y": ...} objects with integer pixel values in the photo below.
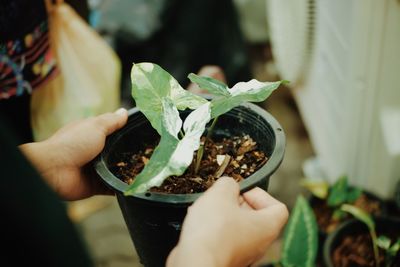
[
  {"x": 241, "y": 156},
  {"x": 357, "y": 250},
  {"x": 327, "y": 223}
]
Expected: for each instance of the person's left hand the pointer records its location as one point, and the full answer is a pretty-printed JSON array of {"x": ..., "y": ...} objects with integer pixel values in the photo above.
[{"x": 62, "y": 159}]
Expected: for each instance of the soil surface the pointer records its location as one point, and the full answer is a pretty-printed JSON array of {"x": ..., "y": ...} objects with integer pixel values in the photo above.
[
  {"x": 237, "y": 157},
  {"x": 357, "y": 250},
  {"x": 327, "y": 223}
]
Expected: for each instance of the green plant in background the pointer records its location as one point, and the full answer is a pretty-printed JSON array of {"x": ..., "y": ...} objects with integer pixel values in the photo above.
[
  {"x": 159, "y": 97},
  {"x": 341, "y": 193},
  {"x": 318, "y": 188},
  {"x": 300, "y": 240},
  {"x": 335, "y": 195},
  {"x": 383, "y": 242},
  {"x": 390, "y": 249},
  {"x": 367, "y": 219}
]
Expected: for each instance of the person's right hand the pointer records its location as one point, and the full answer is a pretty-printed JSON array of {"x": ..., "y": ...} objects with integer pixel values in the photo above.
[
  {"x": 64, "y": 159},
  {"x": 224, "y": 229}
]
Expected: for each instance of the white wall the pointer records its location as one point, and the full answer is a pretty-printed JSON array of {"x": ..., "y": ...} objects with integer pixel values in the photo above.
[{"x": 351, "y": 99}]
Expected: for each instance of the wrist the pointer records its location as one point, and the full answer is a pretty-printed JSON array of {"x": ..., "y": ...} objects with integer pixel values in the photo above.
[
  {"x": 40, "y": 156},
  {"x": 198, "y": 255}
]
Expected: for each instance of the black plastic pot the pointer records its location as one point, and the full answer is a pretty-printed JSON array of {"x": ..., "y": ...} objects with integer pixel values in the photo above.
[
  {"x": 322, "y": 235},
  {"x": 384, "y": 225},
  {"x": 154, "y": 219}
]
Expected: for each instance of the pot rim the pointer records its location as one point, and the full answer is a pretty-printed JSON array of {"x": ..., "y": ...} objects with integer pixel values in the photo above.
[
  {"x": 331, "y": 238},
  {"x": 268, "y": 169}
]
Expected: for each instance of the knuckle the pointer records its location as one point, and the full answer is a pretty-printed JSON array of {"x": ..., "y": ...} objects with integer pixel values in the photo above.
[{"x": 284, "y": 211}]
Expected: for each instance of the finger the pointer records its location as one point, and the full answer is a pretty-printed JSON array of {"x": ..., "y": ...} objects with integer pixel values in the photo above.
[
  {"x": 110, "y": 122},
  {"x": 267, "y": 210},
  {"x": 243, "y": 204},
  {"x": 259, "y": 199},
  {"x": 274, "y": 216},
  {"x": 96, "y": 185},
  {"x": 225, "y": 189},
  {"x": 171, "y": 257}
]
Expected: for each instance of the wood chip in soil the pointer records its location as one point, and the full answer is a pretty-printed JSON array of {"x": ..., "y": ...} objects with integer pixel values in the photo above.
[{"x": 237, "y": 157}]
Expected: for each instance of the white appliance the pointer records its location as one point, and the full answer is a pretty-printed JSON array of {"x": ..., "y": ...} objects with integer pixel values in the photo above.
[{"x": 343, "y": 58}]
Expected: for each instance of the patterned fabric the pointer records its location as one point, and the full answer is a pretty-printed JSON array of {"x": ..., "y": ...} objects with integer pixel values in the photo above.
[{"x": 26, "y": 60}]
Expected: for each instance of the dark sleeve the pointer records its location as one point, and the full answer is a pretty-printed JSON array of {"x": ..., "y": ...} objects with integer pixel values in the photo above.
[{"x": 33, "y": 223}]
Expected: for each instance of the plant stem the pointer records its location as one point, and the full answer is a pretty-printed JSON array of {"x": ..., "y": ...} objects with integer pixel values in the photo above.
[
  {"x": 223, "y": 166},
  {"x": 211, "y": 129},
  {"x": 181, "y": 135},
  {"x": 199, "y": 156},
  {"x": 200, "y": 152},
  {"x": 375, "y": 246}
]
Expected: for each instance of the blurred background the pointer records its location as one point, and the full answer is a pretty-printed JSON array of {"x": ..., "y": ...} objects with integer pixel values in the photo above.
[{"x": 341, "y": 111}]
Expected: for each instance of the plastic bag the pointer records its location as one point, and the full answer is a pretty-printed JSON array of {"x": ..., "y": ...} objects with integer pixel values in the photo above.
[{"x": 89, "y": 79}]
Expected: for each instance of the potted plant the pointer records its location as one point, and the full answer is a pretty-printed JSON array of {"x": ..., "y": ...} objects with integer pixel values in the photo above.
[
  {"x": 300, "y": 240},
  {"x": 147, "y": 178},
  {"x": 364, "y": 241},
  {"x": 326, "y": 200}
]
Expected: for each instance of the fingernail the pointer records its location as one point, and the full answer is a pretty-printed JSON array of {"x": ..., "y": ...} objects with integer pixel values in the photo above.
[{"x": 121, "y": 111}]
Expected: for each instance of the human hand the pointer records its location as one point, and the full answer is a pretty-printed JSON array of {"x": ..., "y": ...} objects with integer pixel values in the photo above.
[
  {"x": 223, "y": 229},
  {"x": 62, "y": 159}
]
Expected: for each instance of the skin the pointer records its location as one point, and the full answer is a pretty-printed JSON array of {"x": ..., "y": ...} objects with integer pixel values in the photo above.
[
  {"x": 222, "y": 228},
  {"x": 62, "y": 159}
]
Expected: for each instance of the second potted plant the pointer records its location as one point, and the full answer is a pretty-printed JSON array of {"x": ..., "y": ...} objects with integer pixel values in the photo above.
[
  {"x": 153, "y": 214},
  {"x": 365, "y": 241}
]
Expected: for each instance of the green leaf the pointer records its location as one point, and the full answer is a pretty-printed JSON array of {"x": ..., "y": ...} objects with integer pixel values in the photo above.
[
  {"x": 300, "y": 243},
  {"x": 171, "y": 156},
  {"x": 317, "y": 188},
  {"x": 171, "y": 121},
  {"x": 353, "y": 193},
  {"x": 252, "y": 91},
  {"x": 150, "y": 83},
  {"x": 342, "y": 193},
  {"x": 394, "y": 248},
  {"x": 359, "y": 214},
  {"x": 337, "y": 194},
  {"x": 214, "y": 86},
  {"x": 338, "y": 214},
  {"x": 383, "y": 242}
]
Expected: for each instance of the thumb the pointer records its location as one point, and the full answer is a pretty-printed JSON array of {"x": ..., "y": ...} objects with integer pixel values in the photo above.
[
  {"x": 267, "y": 207},
  {"x": 259, "y": 199},
  {"x": 225, "y": 188},
  {"x": 274, "y": 216},
  {"x": 110, "y": 122}
]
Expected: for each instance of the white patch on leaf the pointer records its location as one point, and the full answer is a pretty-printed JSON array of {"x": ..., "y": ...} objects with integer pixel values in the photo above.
[
  {"x": 243, "y": 87},
  {"x": 148, "y": 67}
]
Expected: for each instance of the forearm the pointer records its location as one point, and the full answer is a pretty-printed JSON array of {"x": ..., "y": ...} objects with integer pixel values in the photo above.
[{"x": 195, "y": 256}]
